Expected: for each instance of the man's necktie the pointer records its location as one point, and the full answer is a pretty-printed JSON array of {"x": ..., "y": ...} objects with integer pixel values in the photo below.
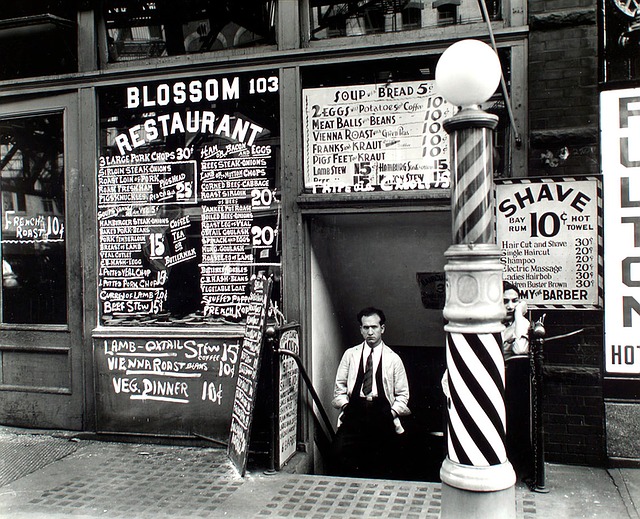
[{"x": 367, "y": 382}]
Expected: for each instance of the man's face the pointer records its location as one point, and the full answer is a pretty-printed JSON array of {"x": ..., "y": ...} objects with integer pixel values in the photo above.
[
  {"x": 371, "y": 329},
  {"x": 511, "y": 299}
]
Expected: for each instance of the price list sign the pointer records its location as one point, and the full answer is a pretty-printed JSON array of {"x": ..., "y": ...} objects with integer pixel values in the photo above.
[
  {"x": 169, "y": 383},
  {"x": 550, "y": 232},
  {"x": 187, "y": 204},
  {"x": 379, "y": 137},
  {"x": 249, "y": 367}
]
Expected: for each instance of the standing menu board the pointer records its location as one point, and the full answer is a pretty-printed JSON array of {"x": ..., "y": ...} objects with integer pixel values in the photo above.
[
  {"x": 187, "y": 198},
  {"x": 550, "y": 232},
  {"x": 376, "y": 137},
  {"x": 288, "y": 384},
  {"x": 248, "y": 370}
]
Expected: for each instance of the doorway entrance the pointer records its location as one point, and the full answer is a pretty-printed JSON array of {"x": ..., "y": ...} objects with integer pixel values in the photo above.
[
  {"x": 41, "y": 382},
  {"x": 380, "y": 259}
]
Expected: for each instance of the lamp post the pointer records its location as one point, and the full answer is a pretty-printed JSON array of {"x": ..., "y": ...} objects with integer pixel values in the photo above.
[{"x": 478, "y": 480}]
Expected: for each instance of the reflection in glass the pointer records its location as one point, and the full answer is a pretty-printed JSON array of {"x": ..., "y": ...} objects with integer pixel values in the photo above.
[
  {"x": 149, "y": 29},
  {"x": 357, "y": 17},
  {"x": 33, "y": 232}
]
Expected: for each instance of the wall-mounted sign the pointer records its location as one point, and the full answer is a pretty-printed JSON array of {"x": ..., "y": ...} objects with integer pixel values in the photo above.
[
  {"x": 620, "y": 145},
  {"x": 550, "y": 233},
  {"x": 187, "y": 198},
  {"x": 378, "y": 137}
]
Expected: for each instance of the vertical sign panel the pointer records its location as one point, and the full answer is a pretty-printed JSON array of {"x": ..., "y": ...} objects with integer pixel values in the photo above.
[
  {"x": 550, "y": 232},
  {"x": 620, "y": 134},
  {"x": 248, "y": 370},
  {"x": 288, "y": 395}
]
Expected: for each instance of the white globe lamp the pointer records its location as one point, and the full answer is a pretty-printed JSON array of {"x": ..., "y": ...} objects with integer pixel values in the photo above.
[{"x": 468, "y": 73}]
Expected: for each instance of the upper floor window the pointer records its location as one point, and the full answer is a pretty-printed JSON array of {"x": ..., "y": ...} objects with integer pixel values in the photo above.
[
  {"x": 38, "y": 38},
  {"x": 355, "y": 18},
  {"x": 155, "y": 28}
]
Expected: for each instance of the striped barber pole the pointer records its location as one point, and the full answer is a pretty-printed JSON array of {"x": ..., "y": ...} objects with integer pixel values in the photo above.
[
  {"x": 472, "y": 194},
  {"x": 477, "y": 416}
]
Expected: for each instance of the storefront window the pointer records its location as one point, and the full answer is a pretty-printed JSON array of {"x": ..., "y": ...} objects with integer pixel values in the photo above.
[
  {"x": 33, "y": 233},
  {"x": 356, "y": 18},
  {"x": 139, "y": 30},
  {"x": 38, "y": 38},
  {"x": 188, "y": 198}
]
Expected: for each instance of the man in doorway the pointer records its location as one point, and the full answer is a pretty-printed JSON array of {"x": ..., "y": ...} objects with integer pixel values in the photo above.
[{"x": 372, "y": 392}]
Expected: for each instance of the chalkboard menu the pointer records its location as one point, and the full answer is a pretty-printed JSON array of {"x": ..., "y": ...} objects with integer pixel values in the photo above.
[
  {"x": 187, "y": 198},
  {"x": 249, "y": 367},
  {"x": 174, "y": 384}
]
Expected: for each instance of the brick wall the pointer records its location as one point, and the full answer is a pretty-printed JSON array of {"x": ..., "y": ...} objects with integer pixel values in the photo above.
[
  {"x": 563, "y": 95},
  {"x": 563, "y": 141}
]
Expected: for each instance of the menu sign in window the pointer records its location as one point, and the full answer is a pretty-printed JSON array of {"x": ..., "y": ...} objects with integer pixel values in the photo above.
[
  {"x": 187, "y": 198},
  {"x": 377, "y": 137},
  {"x": 550, "y": 233},
  {"x": 166, "y": 383}
]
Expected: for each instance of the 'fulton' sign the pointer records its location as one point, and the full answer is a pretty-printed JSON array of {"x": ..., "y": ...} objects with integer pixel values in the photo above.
[{"x": 620, "y": 134}]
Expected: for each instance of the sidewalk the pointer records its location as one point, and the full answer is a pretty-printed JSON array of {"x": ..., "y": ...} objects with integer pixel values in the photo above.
[{"x": 56, "y": 475}]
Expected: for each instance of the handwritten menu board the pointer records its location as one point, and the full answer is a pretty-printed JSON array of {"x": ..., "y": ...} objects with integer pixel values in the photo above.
[
  {"x": 187, "y": 198},
  {"x": 376, "y": 137},
  {"x": 249, "y": 367},
  {"x": 550, "y": 232},
  {"x": 288, "y": 383},
  {"x": 166, "y": 384}
]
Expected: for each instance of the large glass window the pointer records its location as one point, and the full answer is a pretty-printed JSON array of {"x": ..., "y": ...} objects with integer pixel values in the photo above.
[
  {"x": 38, "y": 38},
  {"x": 148, "y": 29},
  {"x": 188, "y": 198},
  {"x": 357, "y": 17},
  {"x": 33, "y": 233}
]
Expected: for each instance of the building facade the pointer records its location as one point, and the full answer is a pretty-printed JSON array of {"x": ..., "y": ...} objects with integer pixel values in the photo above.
[{"x": 157, "y": 155}]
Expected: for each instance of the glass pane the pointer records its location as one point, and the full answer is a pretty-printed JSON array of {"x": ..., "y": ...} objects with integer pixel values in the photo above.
[
  {"x": 140, "y": 30},
  {"x": 188, "y": 198},
  {"x": 38, "y": 38},
  {"x": 356, "y": 17},
  {"x": 33, "y": 233}
]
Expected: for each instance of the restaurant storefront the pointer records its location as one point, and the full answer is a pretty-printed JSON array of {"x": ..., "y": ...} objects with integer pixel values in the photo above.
[{"x": 159, "y": 155}]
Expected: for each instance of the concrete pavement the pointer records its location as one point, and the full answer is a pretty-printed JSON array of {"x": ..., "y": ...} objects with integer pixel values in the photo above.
[{"x": 55, "y": 475}]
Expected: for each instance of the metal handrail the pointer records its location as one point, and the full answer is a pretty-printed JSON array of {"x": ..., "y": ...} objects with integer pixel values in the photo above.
[{"x": 312, "y": 391}]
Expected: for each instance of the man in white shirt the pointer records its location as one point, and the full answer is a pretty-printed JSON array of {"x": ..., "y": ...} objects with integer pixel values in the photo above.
[{"x": 372, "y": 392}]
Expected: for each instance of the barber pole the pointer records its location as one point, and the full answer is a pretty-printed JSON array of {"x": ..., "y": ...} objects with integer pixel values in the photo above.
[{"x": 476, "y": 417}]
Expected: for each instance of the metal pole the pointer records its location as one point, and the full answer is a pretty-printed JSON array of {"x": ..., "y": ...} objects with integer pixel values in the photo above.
[
  {"x": 478, "y": 480},
  {"x": 538, "y": 393},
  {"x": 271, "y": 333}
]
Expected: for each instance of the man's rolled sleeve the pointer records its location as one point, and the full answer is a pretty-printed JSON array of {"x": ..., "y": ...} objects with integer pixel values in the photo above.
[
  {"x": 401, "y": 389},
  {"x": 340, "y": 391}
]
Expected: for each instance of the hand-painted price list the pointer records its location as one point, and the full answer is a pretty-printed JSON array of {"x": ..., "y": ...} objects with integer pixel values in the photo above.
[
  {"x": 375, "y": 138},
  {"x": 550, "y": 234}
]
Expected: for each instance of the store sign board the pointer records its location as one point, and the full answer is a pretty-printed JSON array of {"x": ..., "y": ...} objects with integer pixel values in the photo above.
[
  {"x": 549, "y": 231},
  {"x": 375, "y": 137},
  {"x": 620, "y": 145}
]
